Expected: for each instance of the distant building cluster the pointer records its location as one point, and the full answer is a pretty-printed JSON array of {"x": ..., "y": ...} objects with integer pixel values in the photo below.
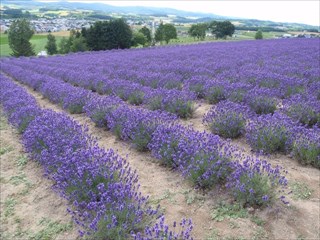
[
  {"x": 301, "y": 35},
  {"x": 51, "y": 25},
  {"x": 42, "y": 25}
]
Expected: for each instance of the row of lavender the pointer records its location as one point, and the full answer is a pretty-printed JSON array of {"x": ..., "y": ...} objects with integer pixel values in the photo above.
[
  {"x": 300, "y": 107},
  {"x": 180, "y": 103},
  {"x": 202, "y": 158},
  {"x": 283, "y": 136},
  {"x": 101, "y": 188},
  {"x": 268, "y": 133},
  {"x": 268, "y": 72},
  {"x": 271, "y": 64}
]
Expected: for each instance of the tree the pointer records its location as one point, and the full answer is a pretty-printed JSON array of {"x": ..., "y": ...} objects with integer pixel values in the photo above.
[
  {"x": 74, "y": 43},
  {"x": 79, "y": 45},
  {"x": 165, "y": 32},
  {"x": 75, "y": 33},
  {"x": 120, "y": 35},
  {"x": 170, "y": 32},
  {"x": 51, "y": 45},
  {"x": 258, "y": 35},
  {"x": 84, "y": 32},
  {"x": 222, "y": 29},
  {"x": 198, "y": 31},
  {"x": 147, "y": 33},
  {"x": 65, "y": 45},
  {"x": 139, "y": 39},
  {"x": 95, "y": 36},
  {"x": 109, "y": 35},
  {"x": 20, "y": 33},
  {"x": 158, "y": 36}
]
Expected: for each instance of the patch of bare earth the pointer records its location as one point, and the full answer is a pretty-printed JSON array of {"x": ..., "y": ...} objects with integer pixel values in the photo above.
[
  {"x": 178, "y": 199},
  {"x": 30, "y": 209}
]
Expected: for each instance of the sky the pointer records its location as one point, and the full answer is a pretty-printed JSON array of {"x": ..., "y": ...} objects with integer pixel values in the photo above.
[{"x": 303, "y": 11}]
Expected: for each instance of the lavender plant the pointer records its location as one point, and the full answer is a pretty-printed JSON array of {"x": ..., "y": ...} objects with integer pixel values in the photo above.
[
  {"x": 162, "y": 231},
  {"x": 136, "y": 98},
  {"x": 271, "y": 133},
  {"x": 262, "y": 101},
  {"x": 22, "y": 117},
  {"x": 172, "y": 101},
  {"x": 75, "y": 100},
  {"x": 137, "y": 125},
  {"x": 196, "y": 84},
  {"x": 227, "y": 119},
  {"x": 255, "y": 182},
  {"x": 314, "y": 90},
  {"x": 20, "y": 110},
  {"x": 290, "y": 86},
  {"x": 98, "y": 108},
  {"x": 202, "y": 158},
  {"x": 304, "y": 109},
  {"x": 215, "y": 92},
  {"x": 237, "y": 91},
  {"x": 172, "y": 84},
  {"x": 105, "y": 195},
  {"x": 164, "y": 144},
  {"x": 34, "y": 80},
  {"x": 57, "y": 137},
  {"x": 306, "y": 147},
  {"x": 270, "y": 80}
]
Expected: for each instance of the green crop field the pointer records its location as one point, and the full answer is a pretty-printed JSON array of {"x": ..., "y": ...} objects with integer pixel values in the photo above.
[{"x": 38, "y": 41}]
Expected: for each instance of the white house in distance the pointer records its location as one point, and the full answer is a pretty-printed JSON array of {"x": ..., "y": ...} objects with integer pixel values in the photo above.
[
  {"x": 286, "y": 35},
  {"x": 42, "y": 53},
  {"x": 3, "y": 28}
]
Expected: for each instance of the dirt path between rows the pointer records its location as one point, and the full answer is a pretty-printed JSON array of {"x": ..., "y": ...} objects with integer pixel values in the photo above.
[
  {"x": 178, "y": 199},
  {"x": 29, "y": 208}
]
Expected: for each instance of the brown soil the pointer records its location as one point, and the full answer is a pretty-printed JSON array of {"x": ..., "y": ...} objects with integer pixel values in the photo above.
[
  {"x": 60, "y": 34},
  {"x": 30, "y": 209},
  {"x": 178, "y": 199}
]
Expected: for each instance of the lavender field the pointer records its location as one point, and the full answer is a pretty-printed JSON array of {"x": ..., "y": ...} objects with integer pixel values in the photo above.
[{"x": 241, "y": 117}]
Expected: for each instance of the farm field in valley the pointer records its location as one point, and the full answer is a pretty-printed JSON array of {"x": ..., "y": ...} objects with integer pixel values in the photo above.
[{"x": 228, "y": 139}]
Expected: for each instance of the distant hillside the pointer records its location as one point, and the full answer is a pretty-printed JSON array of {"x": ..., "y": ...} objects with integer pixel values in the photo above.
[
  {"x": 28, "y": 4},
  {"x": 103, "y": 11}
]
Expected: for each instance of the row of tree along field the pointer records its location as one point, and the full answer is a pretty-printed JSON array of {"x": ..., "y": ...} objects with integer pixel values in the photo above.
[{"x": 113, "y": 34}]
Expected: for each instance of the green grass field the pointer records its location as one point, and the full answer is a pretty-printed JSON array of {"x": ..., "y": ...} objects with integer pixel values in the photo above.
[
  {"x": 242, "y": 35},
  {"x": 38, "y": 41},
  {"x": 266, "y": 35}
]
